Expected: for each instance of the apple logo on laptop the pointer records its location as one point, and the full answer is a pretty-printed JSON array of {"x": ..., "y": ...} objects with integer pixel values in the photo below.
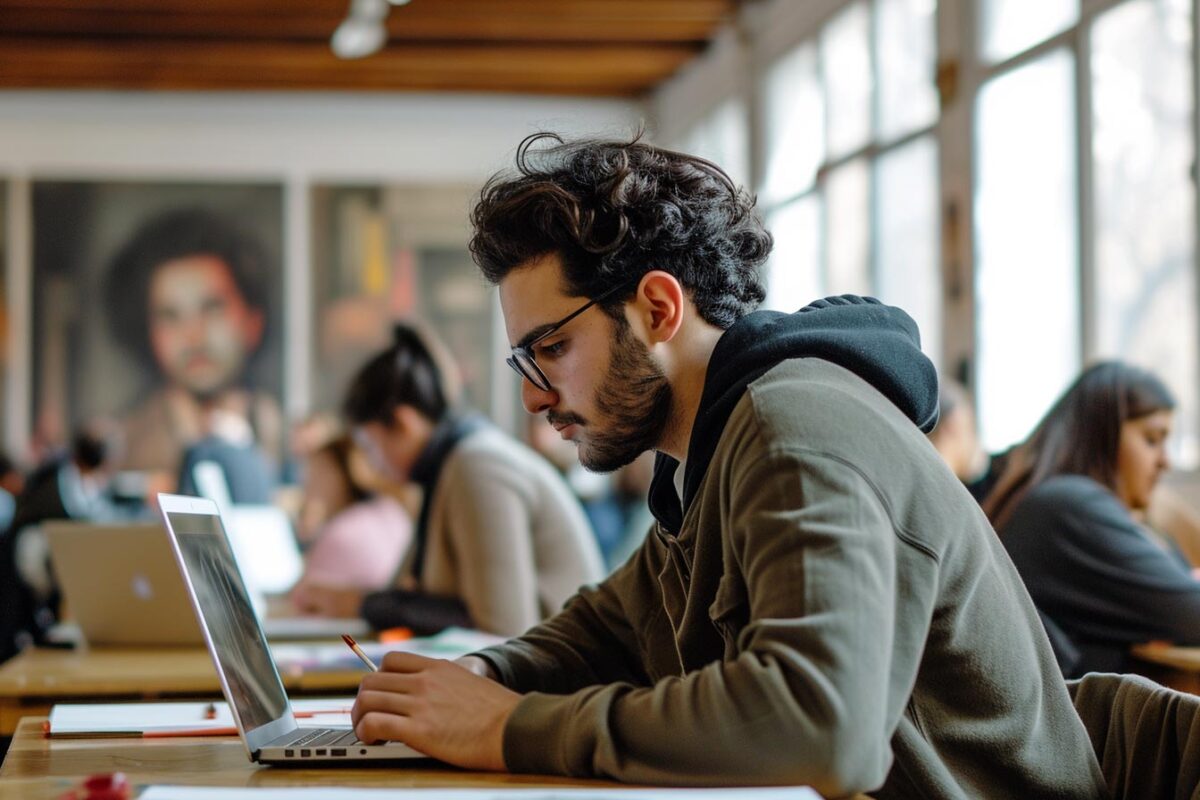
[{"x": 142, "y": 589}]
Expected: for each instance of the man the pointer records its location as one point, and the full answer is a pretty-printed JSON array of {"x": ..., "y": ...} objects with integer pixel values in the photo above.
[
  {"x": 187, "y": 296},
  {"x": 820, "y": 601}
]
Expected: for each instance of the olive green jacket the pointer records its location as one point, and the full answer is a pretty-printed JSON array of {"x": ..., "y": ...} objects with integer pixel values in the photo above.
[{"x": 835, "y": 612}]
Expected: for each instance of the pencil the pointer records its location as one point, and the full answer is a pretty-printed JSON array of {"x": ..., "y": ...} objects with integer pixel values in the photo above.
[{"x": 358, "y": 651}]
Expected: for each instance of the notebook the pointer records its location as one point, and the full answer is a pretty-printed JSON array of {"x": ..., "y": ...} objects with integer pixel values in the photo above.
[
  {"x": 249, "y": 679},
  {"x": 123, "y": 588}
]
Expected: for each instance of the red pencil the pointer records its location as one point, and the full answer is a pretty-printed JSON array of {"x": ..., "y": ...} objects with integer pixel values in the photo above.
[{"x": 353, "y": 645}]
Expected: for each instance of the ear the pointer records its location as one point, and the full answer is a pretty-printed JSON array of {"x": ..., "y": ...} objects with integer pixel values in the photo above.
[
  {"x": 404, "y": 418},
  {"x": 410, "y": 422},
  {"x": 656, "y": 311}
]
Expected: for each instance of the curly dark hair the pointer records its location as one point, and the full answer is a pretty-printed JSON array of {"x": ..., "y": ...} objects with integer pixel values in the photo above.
[
  {"x": 613, "y": 211},
  {"x": 174, "y": 234}
]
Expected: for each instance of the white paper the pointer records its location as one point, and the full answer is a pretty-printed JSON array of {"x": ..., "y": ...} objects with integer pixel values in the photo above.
[
  {"x": 96, "y": 719},
  {"x": 451, "y": 643},
  {"x": 347, "y": 793}
]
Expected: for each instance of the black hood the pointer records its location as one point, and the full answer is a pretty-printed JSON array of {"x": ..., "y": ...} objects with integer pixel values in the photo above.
[{"x": 878, "y": 343}]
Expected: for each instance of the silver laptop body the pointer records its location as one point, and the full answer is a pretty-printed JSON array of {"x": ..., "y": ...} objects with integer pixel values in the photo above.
[
  {"x": 239, "y": 649},
  {"x": 121, "y": 584}
]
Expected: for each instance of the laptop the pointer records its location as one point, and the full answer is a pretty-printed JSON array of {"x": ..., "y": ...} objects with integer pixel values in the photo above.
[
  {"x": 121, "y": 584},
  {"x": 238, "y": 647},
  {"x": 123, "y": 588}
]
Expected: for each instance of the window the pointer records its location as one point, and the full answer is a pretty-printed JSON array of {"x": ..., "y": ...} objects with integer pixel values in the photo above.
[
  {"x": 906, "y": 48},
  {"x": 907, "y": 258},
  {"x": 1060, "y": 284},
  {"x": 850, "y": 185},
  {"x": 1026, "y": 269},
  {"x": 1008, "y": 27},
  {"x": 794, "y": 270},
  {"x": 1142, "y": 151},
  {"x": 847, "y": 229},
  {"x": 722, "y": 137},
  {"x": 846, "y": 70},
  {"x": 794, "y": 125}
]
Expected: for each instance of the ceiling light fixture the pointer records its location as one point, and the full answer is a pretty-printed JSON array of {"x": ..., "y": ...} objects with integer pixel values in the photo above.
[{"x": 363, "y": 31}]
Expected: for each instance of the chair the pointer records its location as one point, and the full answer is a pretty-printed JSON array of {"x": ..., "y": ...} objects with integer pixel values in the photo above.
[{"x": 1146, "y": 736}]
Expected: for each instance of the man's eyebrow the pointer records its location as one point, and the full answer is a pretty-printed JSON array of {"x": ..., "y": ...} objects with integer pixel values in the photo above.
[{"x": 536, "y": 333}]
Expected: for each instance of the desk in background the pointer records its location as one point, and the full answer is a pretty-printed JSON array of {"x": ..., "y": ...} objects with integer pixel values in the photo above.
[
  {"x": 1176, "y": 667},
  {"x": 36, "y": 679}
]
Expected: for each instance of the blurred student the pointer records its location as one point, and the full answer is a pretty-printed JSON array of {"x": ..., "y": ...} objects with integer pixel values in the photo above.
[
  {"x": 356, "y": 539},
  {"x": 597, "y": 493},
  {"x": 500, "y": 542},
  {"x": 74, "y": 486},
  {"x": 12, "y": 482},
  {"x": 227, "y": 445},
  {"x": 956, "y": 436},
  {"x": 1064, "y": 508},
  {"x": 188, "y": 297}
]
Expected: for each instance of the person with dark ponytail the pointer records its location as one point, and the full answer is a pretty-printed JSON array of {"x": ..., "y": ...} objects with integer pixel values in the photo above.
[
  {"x": 500, "y": 542},
  {"x": 1064, "y": 508}
]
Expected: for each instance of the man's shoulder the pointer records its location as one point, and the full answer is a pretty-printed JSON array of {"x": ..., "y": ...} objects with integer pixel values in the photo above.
[{"x": 820, "y": 402}]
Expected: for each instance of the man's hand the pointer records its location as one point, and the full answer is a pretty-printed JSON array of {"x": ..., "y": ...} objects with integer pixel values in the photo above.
[
  {"x": 326, "y": 601},
  {"x": 444, "y": 709}
]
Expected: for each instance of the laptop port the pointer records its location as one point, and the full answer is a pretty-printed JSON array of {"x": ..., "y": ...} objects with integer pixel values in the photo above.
[
  {"x": 337, "y": 751},
  {"x": 321, "y": 752},
  {"x": 305, "y": 753},
  {"x": 289, "y": 753}
]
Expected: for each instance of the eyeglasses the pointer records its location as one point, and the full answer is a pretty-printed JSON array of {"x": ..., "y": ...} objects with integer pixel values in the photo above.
[{"x": 522, "y": 359}]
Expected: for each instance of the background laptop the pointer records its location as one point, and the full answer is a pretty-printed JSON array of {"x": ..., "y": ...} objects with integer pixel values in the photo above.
[
  {"x": 121, "y": 584},
  {"x": 123, "y": 587},
  {"x": 239, "y": 649}
]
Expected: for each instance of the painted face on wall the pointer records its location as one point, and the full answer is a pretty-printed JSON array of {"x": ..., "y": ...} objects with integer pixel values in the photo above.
[
  {"x": 202, "y": 330},
  {"x": 1142, "y": 457}
]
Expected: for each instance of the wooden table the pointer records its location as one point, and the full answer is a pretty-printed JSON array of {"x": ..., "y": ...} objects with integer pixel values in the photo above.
[
  {"x": 1176, "y": 667},
  {"x": 38, "y": 768},
  {"x": 36, "y": 679}
]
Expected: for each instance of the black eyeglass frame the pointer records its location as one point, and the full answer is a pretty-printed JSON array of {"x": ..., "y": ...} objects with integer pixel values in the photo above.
[{"x": 522, "y": 359}]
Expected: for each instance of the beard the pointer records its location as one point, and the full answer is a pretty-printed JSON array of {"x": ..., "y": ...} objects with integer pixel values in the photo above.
[{"x": 633, "y": 405}]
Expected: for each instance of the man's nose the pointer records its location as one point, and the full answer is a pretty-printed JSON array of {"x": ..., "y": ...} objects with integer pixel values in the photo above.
[
  {"x": 537, "y": 400},
  {"x": 194, "y": 330}
]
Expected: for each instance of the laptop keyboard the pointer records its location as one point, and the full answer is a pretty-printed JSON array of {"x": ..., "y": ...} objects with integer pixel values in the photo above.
[{"x": 319, "y": 737}]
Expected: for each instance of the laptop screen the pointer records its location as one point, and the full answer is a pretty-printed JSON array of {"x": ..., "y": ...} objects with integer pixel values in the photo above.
[{"x": 238, "y": 643}]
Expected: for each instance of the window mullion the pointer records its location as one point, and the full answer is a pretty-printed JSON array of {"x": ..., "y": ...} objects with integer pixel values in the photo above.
[{"x": 1086, "y": 200}]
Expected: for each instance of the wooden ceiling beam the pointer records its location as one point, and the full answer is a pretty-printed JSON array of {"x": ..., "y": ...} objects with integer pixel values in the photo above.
[
  {"x": 596, "y": 69},
  {"x": 618, "y": 47},
  {"x": 462, "y": 20}
]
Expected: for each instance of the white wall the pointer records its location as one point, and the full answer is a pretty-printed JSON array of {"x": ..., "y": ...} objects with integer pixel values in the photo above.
[{"x": 295, "y": 139}]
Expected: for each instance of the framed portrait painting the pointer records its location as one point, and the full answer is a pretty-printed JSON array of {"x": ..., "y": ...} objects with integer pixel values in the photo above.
[{"x": 158, "y": 307}]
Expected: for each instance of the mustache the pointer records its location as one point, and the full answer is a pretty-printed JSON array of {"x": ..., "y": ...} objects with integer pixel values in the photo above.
[{"x": 568, "y": 418}]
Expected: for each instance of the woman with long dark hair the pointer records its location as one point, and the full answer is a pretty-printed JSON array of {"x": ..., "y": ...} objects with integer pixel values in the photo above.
[
  {"x": 500, "y": 541},
  {"x": 1065, "y": 510}
]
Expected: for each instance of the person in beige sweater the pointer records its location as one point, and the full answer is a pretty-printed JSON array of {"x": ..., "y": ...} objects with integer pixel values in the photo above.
[
  {"x": 500, "y": 542},
  {"x": 819, "y": 602}
]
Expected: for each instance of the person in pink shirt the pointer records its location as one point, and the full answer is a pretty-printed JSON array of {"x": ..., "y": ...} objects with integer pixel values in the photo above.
[{"x": 357, "y": 539}]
